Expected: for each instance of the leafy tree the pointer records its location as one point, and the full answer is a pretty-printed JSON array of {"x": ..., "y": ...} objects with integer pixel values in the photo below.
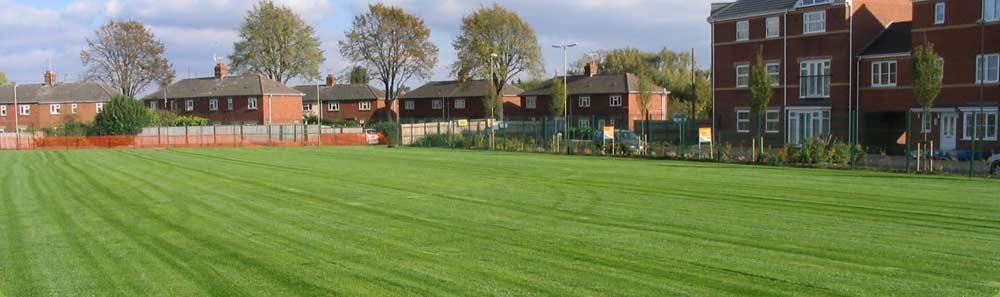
[
  {"x": 122, "y": 116},
  {"x": 497, "y": 45},
  {"x": 558, "y": 94},
  {"x": 277, "y": 43},
  {"x": 3, "y": 78},
  {"x": 927, "y": 76},
  {"x": 359, "y": 75},
  {"x": 126, "y": 56},
  {"x": 530, "y": 84},
  {"x": 392, "y": 45},
  {"x": 760, "y": 93}
]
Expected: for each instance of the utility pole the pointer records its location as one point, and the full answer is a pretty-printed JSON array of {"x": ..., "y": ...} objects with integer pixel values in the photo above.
[{"x": 566, "y": 110}]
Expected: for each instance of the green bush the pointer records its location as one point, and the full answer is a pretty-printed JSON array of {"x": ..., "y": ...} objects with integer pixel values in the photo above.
[
  {"x": 189, "y": 121},
  {"x": 163, "y": 118},
  {"x": 68, "y": 128},
  {"x": 818, "y": 151},
  {"x": 122, "y": 116}
]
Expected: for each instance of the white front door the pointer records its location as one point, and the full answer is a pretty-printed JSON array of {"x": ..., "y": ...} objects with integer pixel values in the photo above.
[{"x": 949, "y": 131}]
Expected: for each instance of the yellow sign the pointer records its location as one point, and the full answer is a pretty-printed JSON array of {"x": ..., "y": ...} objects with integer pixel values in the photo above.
[
  {"x": 705, "y": 135},
  {"x": 609, "y": 132},
  {"x": 463, "y": 123}
]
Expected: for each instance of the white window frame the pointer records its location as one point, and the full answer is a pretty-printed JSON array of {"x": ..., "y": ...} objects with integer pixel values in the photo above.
[
  {"x": 583, "y": 102},
  {"x": 884, "y": 74},
  {"x": 769, "y": 121},
  {"x": 814, "y": 22},
  {"x": 939, "y": 13},
  {"x": 213, "y": 104},
  {"x": 153, "y": 105},
  {"x": 307, "y": 107},
  {"x": 991, "y": 72},
  {"x": 333, "y": 106},
  {"x": 3, "y": 110},
  {"x": 991, "y": 10},
  {"x": 743, "y": 77},
  {"x": 772, "y": 27},
  {"x": 99, "y": 107},
  {"x": 437, "y": 104},
  {"x": 817, "y": 119},
  {"x": 742, "y": 30},
  {"x": 816, "y": 84},
  {"x": 55, "y": 109},
  {"x": 189, "y": 105},
  {"x": 583, "y": 123},
  {"x": 409, "y": 105},
  {"x": 615, "y": 101},
  {"x": 989, "y": 124},
  {"x": 252, "y": 103},
  {"x": 531, "y": 102},
  {"x": 365, "y": 105},
  {"x": 459, "y": 103},
  {"x": 776, "y": 74},
  {"x": 229, "y": 103},
  {"x": 743, "y": 124},
  {"x": 926, "y": 122},
  {"x": 25, "y": 110},
  {"x": 804, "y": 3},
  {"x": 73, "y": 108}
]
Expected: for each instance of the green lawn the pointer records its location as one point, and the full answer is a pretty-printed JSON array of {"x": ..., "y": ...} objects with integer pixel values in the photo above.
[{"x": 414, "y": 222}]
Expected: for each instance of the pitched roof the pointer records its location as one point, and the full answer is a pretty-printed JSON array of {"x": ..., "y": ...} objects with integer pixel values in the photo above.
[
  {"x": 59, "y": 93},
  {"x": 896, "y": 39},
  {"x": 597, "y": 84},
  {"x": 454, "y": 89},
  {"x": 341, "y": 92},
  {"x": 206, "y": 87},
  {"x": 746, "y": 8}
]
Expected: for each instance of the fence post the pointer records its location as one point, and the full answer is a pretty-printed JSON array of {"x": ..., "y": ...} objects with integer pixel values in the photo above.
[
  {"x": 187, "y": 141},
  {"x": 975, "y": 135},
  {"x": 909, "y": 122}
]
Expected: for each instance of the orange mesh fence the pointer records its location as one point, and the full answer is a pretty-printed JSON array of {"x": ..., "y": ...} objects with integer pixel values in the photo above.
[{"x": 28, "y": 142}]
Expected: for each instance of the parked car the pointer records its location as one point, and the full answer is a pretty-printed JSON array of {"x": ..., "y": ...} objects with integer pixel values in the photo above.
[
  {"x": 626, "y": 142},
  {"x": 371, "y": 136},
  {"x": 995, "y": 165}
]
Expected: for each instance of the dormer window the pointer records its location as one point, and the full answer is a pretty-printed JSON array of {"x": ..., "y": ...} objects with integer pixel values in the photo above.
[{"x": 813, "y": 2}]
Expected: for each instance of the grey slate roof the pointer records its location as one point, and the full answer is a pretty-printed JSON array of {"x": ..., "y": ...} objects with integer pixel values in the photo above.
[
  {"x": 456, "y": 89},
  {"x": 597, "y": 84},
  {"x": 60, "y": 93},
  {"x": 749, "y": 8},
  {"x": 341, "y": 92},
  {"x": 210, "y": 87},
  {"x": 896, "y": 39}
]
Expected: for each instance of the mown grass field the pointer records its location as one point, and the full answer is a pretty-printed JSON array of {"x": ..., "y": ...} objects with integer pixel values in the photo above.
[{"x": 413, "y": 222}]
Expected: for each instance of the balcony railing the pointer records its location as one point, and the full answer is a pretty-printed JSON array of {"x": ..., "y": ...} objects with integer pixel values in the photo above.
[{"x": 814, "y": 86}]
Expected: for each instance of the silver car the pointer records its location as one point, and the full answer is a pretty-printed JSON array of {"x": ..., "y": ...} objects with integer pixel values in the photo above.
[{"x": 994, "y": 165}]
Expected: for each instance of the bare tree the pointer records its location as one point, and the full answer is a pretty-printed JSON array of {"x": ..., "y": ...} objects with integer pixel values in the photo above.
[
  {"x": 393, "y": 45},
  {"x": 126, "y": 56}
]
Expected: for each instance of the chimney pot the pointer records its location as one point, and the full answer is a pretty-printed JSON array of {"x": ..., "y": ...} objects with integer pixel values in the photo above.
[
  {"x": 221, "y": 71},
  {"x": 591, "y": 69},
  {"x": 331, "y": 79},
  {"x": 50, "y": 78}
]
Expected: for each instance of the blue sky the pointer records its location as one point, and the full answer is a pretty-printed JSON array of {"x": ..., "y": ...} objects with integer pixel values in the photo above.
[{"x": 195, "y": 31}]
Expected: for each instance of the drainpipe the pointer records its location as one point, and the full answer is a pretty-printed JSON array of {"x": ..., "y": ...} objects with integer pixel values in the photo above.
[
  {"x": 17, "y": 128},
  {"x": 784, "y": 64},
  {"x": 857, "y": 98},
  {"x": 715, "y": 132},
  {"x": 850, "y": 66}
]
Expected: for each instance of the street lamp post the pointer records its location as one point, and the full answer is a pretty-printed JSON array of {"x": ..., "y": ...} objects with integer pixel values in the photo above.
[
  {"x": 567, "y": 105},
  {"x": 17, "y": 125},
  {"x": 493, "y": 105}
]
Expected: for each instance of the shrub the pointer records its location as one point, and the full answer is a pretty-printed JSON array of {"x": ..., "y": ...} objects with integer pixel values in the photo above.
[
  {"x": 189, "y": 121},
  {"x": 122, "y": 116},
  {"x": 68, "y": 128}
]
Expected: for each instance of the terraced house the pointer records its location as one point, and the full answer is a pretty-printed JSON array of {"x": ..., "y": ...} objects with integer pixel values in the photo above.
[
  {"x": 596, "y": 99},
  {"x": 809, "y": 47},
  {"x": 51, "y": 103},
  {"x": 358, "y": 102},
  {"x": 455, "y": 100},
  {"x": 965, "y": 35},
  {"x": 231, "y": 100}
]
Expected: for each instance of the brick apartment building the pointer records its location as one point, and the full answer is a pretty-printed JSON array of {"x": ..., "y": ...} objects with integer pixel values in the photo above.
[
  {"x": 225, "y": 99},
  {"x": 607, "y": 98},
  {"x": 970, "y": 53},
  {"x": 48, "y": 104},
  {"x": 359, "y": 102},
  {"x": 455, "y": 100},
  {"x": 809, "y": 47}
]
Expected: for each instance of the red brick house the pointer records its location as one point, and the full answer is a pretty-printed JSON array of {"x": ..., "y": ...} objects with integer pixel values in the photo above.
[
  {"x": 359, "y": 102},
  {"x": 604, "y": 98},
  {"x": 224, "y": 99},
  {"x": 48, "y": 104},
  {"x": 455, "y": 100},
  {"x": 810, "y": 47},
  {"x": 970, "y": 53}
]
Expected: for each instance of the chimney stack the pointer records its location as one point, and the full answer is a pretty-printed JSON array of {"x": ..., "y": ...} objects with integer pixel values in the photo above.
[
  {"x": 331, "y": 79},
  {"x": 591, "y": 69},
  {"x": 50, "y": 78},
  {"x": 221, "y": 71}
]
